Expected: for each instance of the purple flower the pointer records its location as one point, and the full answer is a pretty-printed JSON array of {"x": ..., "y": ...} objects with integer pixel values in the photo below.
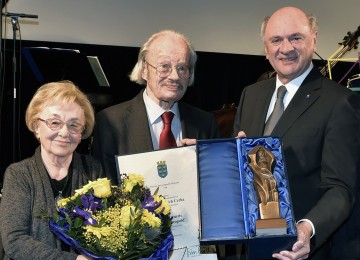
[
  {"x": 63, "y": 212},
  {"x": 150, "y": 204},
  {"x": 90, "y": 202},
  {"x": 89, "y": 220}
]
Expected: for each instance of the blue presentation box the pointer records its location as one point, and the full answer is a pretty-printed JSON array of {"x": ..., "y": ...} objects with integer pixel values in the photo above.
[{"x": 227, "y": 197}]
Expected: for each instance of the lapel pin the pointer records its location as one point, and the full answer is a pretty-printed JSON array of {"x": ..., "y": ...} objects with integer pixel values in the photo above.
[{"x": 307, "y": 96}]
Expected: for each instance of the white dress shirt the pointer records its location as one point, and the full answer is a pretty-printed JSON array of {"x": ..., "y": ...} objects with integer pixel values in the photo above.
[
  {"x": 154, "y": 112},
  {"x": 291, "y": 88}
]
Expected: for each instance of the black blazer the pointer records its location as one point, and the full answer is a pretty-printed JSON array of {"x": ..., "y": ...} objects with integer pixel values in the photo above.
[
  {"x": 321, "y": 141},
  {"x": 124, "y": 129}
]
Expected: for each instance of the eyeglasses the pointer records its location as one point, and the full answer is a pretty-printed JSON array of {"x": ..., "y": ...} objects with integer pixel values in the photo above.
[
  {"x": 164, "y": 70},
  {"x": 56, "y": 125}
]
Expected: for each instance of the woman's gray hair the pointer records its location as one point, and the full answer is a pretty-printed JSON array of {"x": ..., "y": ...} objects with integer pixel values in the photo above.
[
  {"x": 136, "y": 74},
  {"x": 63, "y": 92}
]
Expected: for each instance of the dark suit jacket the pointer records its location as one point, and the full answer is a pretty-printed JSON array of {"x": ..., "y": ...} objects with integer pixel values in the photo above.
[
  {"x": 320, "y": 134},
  {"x": 124, "y": 129},
  {"x": 345, "y": 243}
]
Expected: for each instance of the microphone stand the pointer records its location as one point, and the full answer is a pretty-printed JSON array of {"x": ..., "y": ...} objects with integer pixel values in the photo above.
[
  {"x": 15, "y": 25},
  {"x": 1, "y": 80}
]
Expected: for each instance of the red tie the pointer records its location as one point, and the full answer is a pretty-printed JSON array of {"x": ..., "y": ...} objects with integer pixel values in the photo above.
[{"x": 167, "y": 139}]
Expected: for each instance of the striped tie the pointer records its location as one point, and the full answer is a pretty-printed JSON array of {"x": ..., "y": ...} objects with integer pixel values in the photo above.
[{"x": 277, "y": 112}]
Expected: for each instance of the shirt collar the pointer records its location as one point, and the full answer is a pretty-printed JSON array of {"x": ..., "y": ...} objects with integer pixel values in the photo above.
[
  {"x": 294, "y": 85},
  {"x": 154, "y": 111}
]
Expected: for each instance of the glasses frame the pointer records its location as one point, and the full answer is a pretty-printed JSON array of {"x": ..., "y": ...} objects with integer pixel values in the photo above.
[
  {"x": 171, "y": 69},
  {"x": 47, "y": 123}
]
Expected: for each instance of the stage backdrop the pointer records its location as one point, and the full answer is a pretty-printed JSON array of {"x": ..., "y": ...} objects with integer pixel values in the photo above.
[
  {"x": 225, "y": 34},
  {"x": 229, "y": 26}
]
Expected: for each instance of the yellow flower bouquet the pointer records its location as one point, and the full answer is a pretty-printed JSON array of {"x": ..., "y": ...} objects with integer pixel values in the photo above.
[{"x": 115, "y": 222}]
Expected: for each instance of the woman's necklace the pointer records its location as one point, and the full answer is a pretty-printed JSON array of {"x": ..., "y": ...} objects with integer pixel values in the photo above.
[
  {"x": 61, "y": 188},
  {"x": 57, "y": 198}
]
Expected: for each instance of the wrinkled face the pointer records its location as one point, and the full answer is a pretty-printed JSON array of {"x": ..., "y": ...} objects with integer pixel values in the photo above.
[
  {"x": 171, "y": 52},
  {"x": 59, "y": 143},
  {"x": 289, "y": 43}
]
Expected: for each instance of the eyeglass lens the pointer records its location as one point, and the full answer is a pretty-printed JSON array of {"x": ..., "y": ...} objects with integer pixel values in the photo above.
[
  {"x": 57, "y": 124},
  {"x": 164, "y": 68}
]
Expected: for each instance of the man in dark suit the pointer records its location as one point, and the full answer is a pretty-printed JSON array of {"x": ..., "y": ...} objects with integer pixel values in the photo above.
[
  {"x": 165, "y": 65},
  {"x": 319, "y": 129}
]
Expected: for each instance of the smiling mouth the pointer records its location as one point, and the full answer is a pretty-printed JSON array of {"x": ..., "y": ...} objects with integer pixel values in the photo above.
[
  {"x": 63, "y": 142},
  {"x": 288, "y": 59},
  {"x": 173, "y": 87}
]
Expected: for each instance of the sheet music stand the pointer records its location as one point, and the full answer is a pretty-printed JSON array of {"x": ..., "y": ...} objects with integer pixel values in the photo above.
[{"x": 55, "y": 64}]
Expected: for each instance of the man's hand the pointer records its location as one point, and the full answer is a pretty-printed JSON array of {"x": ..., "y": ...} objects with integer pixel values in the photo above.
[
  {"x": 187, "y": 141},
  {"x": 301, "y": 248},
  {"x": 241, "y": 134}
]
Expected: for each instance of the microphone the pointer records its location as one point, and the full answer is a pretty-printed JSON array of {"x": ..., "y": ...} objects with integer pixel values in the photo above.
[{"x": 22, "y": 15}]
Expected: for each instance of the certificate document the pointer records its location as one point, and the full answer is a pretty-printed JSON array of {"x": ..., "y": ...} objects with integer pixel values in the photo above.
[{"x": 174, "y": 172}]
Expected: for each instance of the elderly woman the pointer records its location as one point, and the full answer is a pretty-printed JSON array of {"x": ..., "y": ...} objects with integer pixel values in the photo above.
[{"x": 59, "y": 115}]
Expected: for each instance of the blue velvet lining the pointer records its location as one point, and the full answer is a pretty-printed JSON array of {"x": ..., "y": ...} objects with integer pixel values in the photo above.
[
  {"x": 220, "y": 190},
  {"x": 245, "y": 145},
  {"x": 227, "y": 213}
]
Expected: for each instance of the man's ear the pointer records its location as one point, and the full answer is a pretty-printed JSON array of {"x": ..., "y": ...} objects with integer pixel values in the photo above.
[
  {"x": 266, "y": 53},
  {"x": 315, "y": 40},
  {"x": 144, "y": 73}
]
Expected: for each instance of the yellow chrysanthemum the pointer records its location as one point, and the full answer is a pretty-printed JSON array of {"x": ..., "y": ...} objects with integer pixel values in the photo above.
[
  {"x": 164, "y": 205},
  {"x": 98, "y": 231},
  {"x": 84, "y": 189},
  {"x": 132, "y": 181},
  {"x": 62, "y": 203},
  {"x": 126, "y": 216},
  {"x": 151, "y": 219}
]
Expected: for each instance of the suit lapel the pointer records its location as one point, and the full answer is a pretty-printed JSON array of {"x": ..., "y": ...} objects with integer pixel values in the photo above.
[
  {"x": 187, "y": 127},
  {"x": 137, "y": 119},
  {"x": 257, "y": 103},
  {"x": 261, "y": 107},
  {"x": 307, "y": 94}
]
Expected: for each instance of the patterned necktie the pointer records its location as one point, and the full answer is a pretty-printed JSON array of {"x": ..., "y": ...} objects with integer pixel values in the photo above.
[
  {"x": 167, "y": 139},
  {"x": 277, "y": 112}
]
